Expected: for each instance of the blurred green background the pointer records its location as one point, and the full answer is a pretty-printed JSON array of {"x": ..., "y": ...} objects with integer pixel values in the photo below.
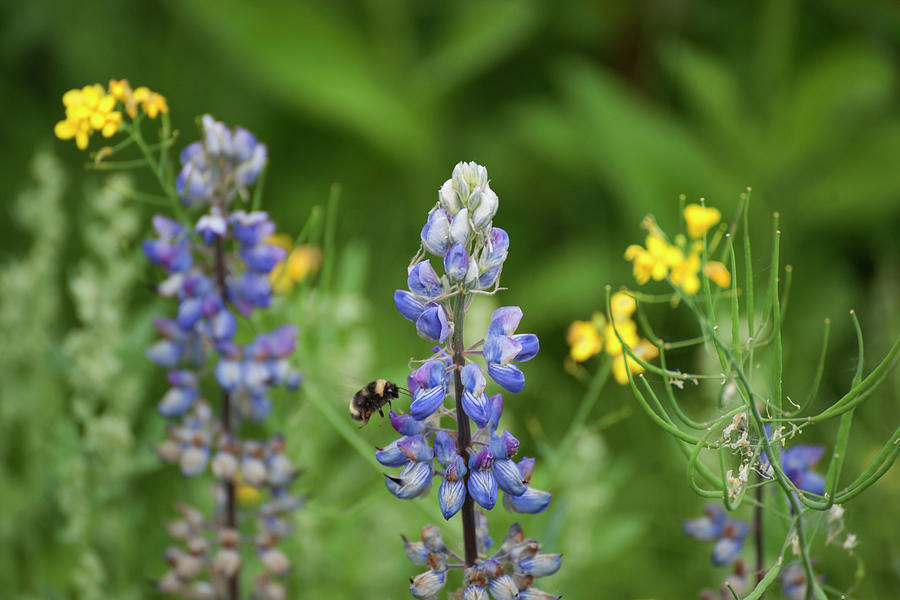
[{"x": 588, "y": 116}]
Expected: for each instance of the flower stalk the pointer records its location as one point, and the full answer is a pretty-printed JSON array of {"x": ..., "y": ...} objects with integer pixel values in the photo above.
[{"x": 464, "y": 435}]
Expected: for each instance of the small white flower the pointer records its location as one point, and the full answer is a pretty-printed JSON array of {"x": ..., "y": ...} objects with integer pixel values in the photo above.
[{"x": 835, "y": 513}]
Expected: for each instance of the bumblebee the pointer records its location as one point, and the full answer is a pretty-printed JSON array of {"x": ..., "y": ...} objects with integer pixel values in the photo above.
[{"x": 371, "y": 399}]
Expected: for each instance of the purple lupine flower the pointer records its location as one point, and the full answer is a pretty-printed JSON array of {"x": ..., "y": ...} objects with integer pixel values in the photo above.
[
  {"x": 459, "y": 230},
  {"x": 474, "y": 400},
  {"x": 423, "y": 281},
  {"x": 444, "y": 448},
  {"x": 728, "y": 533},
  {"x": 798, "y": 462},
  {"x": 409, "y": 306},
  {"x": 426, "y": 585},
  {"x": 456, "y": 263},
  {"x": 436, "y": 232},
  {"x": 482, "y": 485},
  {"x": 413, "y": 481},
  {"x": 432, "y": 324},
  {"x": 502, "y": 347},
  {"x": 452, "y": 492}
]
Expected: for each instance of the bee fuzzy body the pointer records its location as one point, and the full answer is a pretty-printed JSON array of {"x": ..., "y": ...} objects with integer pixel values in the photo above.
[{"x": 371, "y": 398}]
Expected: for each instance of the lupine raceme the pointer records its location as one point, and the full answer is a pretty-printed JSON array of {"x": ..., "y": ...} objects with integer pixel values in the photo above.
[{"x": 475, "y": 461}]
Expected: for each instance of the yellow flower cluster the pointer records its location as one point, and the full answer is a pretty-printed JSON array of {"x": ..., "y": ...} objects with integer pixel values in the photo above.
[
  {"x": 88, "y": 110},
  {"x": 92, "y": 108},
  {"x": 680, "y": 262},
  {"x": 152, "y": 103},
  {"x": 301, "y": 261},
  {"x": 587, "y": 338}
]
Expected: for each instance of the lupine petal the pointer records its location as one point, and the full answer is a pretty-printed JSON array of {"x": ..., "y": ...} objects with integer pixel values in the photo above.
[
  {"x": 500, "y": 350},
  {"x": 704, "y": 528},
  {"x": 456, "y": 469},
  {"x": 494, "y": 256},
  {"x": 459, "y": 227},
  {"x": 251, "y": 228},
  {"x": 432, "y": 323},
  {"x": 726, "y": 550},
  {"x": 165, "y": 353},
  {"x": 475, "y": 592},
  {"x": 508, "y": 477},
  {"x": 436, "y": 232},
  {"x": 416, "y": 552},
  {"x": 504, "y": 321},
  {"x": 423, "y": 281},
  {"x": 487, "y": 278},
  {"x": 176, "y": 401},
  {"x": 189, "y": 312},
  {"x": 509, "y": 377},
  {"x": 475, "y": 407},
  {"x": 812, "y": 482},
  {"x": 210, "y": 227},
  {"x": 451, "y": 496},
  {"x": 473, "y": 379},
  {"x": 504, "y": 588},
  {"x": 483, "y": 205},
  {"x": 431, "y": 374},
  {"x": 391, "y": 455},
  {"x": 426, "y": 585},
  {"x": 407, "y": 425},
  {"x": 456, "y": 262},
  {"x": 483, "y": 488},
  {"x": 530, "y": 346},
  {"x": 504, "y": 445},
  {"x": 541, "y": 565},
  {"x": 495, "y": 409},
  {"x": 415, "y": 448},
  {"x": 410, "y": 307},
  {"x": 425, "y": 402},
  {"x": 444, "y": 448},
  {"x": 262, "y": 257},
  {"x": 413, "y": 480},
  {"x": 194, "y": 460},
  {"x": 532, "y": 501}
]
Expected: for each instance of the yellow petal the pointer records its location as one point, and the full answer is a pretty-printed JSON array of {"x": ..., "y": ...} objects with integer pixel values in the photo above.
[
  {"x": 700, "y": 218},
  {"x": 81, "y": 140},
  {"x": 106, "y": 103},
  {"x": 90, "y": 96},
  {"x": 622, "y": 306},
  {"x": 64, "y": 130},
  {"x": 72, "y": 98},
  {"x": 97, "y": 120},
  {"x": 718, "y": 273}
]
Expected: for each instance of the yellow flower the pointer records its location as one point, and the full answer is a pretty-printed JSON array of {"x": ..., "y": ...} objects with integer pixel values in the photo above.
[
  {"x": 87, "y": 110},
  {"x": 627, "y": 329},
  {"x": 700, "y": 218},
  {"x": 301, "y": 261},
  {"x": 718, "y": 273},
  {"x": 652, "y": 262},
  {"x": 246, "y": 494},
  {"x": 643, "y": 350},
  {"x": 151, "y": 102},
  {"x": 584, "y": 340},
  {"x": 685, "y": 273},
  {"x": 622, "y": 306},
  {"x": 121, "y": 90}
]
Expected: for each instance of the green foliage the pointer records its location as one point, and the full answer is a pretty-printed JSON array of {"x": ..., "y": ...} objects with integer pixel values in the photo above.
[{"x": 589, "y": 114}]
